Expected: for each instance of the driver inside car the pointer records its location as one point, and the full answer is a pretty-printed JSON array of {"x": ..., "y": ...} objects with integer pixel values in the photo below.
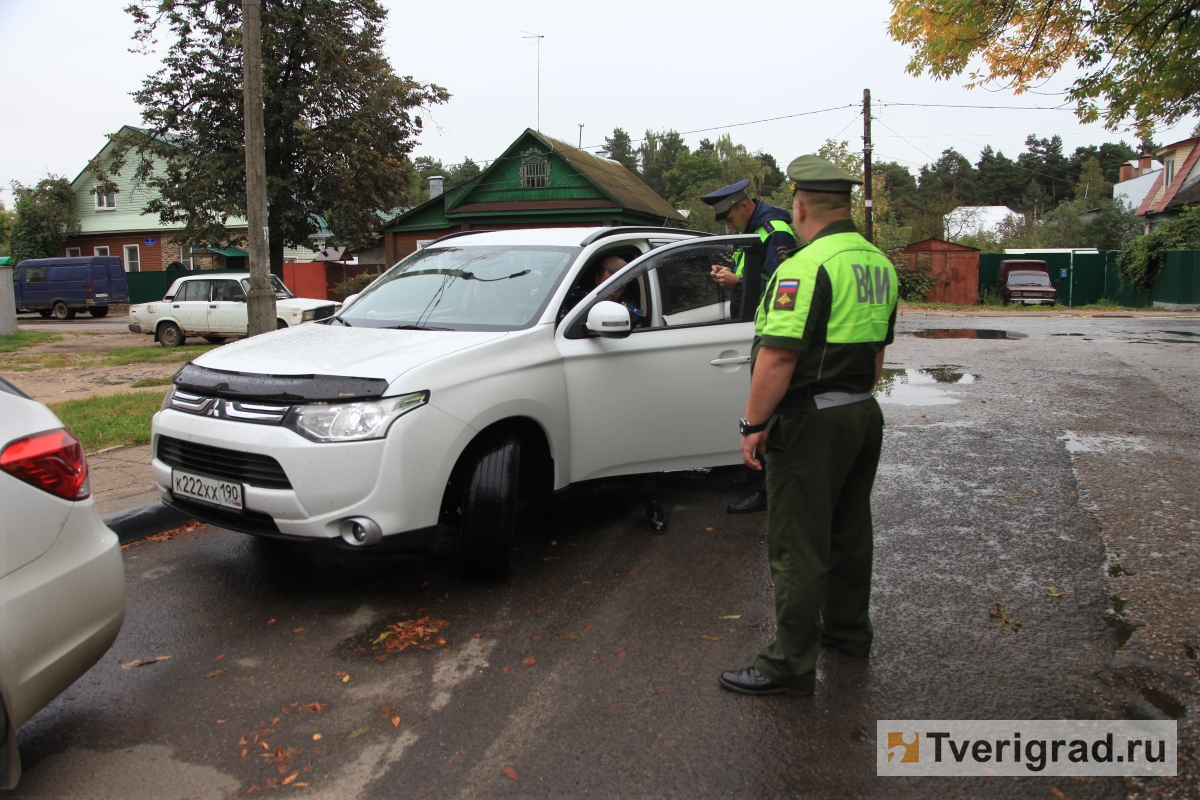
[{"x": 609, "y": 267}]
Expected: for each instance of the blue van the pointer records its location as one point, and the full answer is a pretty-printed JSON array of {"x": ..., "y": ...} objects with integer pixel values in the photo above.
[{"x": 62, "y": 287}]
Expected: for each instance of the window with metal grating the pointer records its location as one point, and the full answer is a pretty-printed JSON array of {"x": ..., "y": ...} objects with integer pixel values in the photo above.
[{"x": 217, "y": 462}]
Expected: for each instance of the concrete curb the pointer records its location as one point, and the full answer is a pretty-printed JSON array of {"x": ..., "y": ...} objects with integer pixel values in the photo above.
[{"x": 142, "y": 521}]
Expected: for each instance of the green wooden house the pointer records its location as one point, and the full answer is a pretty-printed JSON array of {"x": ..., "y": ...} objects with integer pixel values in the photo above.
[{"x": 538, "y": 182}]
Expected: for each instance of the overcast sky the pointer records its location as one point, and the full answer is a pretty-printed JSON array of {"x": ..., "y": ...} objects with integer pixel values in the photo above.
[{"x": 638, "y": 65}]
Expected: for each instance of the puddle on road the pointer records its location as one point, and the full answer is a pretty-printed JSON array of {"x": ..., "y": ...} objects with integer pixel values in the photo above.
[
  {"x": 1122, "y": 628},
  {"x": 1164, "y": 702},
  {"x": 1066, "y": 334},
  {"x": 920, "y": 387},
  {"x": 967, "y": 333}
]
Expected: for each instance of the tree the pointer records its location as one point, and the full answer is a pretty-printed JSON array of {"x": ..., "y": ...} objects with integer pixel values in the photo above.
[
  {"x": 619, "y": 148},
  {"x": 1110, "y": 155},
  {"x": 658, "y": 153},
  {"x": 723, "y": 162},
  {"x": 1044, "y": 159},
  {"x": 1092, "y": 186},
  {"x": 340, "y": 124},
  {"x": 1138, "y": 60},
  {"x": 45, "y": 218},
  {"x": 7, "y": 220},
  {"x": 952, "y": 176},
  {"x": 1145, "y": 255},
  {"x": 1000, "y": 182}
]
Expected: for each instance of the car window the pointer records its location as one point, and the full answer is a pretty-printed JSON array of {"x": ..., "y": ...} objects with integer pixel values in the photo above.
[
  {"x": 464, "y": 288},
  {"x": 35, "y": 274},
  {"x": 686, "y": 286},
  {"x": 193, "y": 290},
  {"x": 229, "y": 291},
  {"x": 1028, "y": 279},
  {"x": 281, "y": 291}
]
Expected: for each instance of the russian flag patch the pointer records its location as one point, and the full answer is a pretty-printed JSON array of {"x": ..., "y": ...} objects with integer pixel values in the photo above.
[{"x": 785, "y": 295}]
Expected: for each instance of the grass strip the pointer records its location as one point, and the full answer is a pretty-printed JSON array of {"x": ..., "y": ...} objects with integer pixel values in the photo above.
[
  {"x": 161, "y": 380},
  {"x": 152, "y": 354},
  {"x": 102, "y": 422},
  {"x": 13, "y": 341}
]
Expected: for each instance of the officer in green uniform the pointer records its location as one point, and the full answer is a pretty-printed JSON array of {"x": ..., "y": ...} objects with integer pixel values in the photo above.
[{"x": 828, "y": 312}]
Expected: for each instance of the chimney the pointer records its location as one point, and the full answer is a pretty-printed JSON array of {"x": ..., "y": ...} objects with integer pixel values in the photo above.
[
  {"x": 1126, "y": 172},
  {"x": 435, "y": 185},
  {"x": 1144, "y": 163}
]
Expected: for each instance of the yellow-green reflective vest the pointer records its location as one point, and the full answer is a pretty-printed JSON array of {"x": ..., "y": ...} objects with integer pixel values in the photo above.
[{"x": 764, "y": 232}]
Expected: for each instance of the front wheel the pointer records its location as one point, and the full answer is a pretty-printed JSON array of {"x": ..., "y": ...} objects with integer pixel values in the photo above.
[
  {"x": 44, "y": 313},
  {"x": 61, "y": 311},
  {"x": 169, "y": 335},
  {"x": 280, "y": 324},
  {"x": 98, "y": 311},
  {"x": 489, "y": 509}
]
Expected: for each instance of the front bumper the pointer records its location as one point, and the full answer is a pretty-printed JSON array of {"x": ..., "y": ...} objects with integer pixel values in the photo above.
[
  {"x": 397, "y": 481},
  {"x": 135, "y": 327}
]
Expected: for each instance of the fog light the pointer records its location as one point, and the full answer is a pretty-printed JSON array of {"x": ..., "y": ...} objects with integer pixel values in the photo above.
[{"x": 361, "y": 532}]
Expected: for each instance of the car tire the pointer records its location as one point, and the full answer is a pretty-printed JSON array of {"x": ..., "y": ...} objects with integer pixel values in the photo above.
[
  {"x": 98, "y": 311},
  {"x": 280, "y": 324},
  {"x": 61, "y": 311},
  {"x": 215, "y": 339},
  {"x": 489, "y": 509},
  {"x": 169, "y": 335},
  {"x": 44, "y": 313}
]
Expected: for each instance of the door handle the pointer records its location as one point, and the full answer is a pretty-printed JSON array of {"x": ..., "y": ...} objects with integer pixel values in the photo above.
[
  {"x": 175, "y": 306},
  {"x": 212, "y": 306},
  {"x": 720, "y": 362}
]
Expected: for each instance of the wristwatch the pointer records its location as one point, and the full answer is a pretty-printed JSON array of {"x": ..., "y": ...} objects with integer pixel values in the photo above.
[{"x": 746, "y": 428}]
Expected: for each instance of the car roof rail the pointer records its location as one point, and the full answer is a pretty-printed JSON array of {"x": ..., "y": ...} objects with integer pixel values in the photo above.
[
  {"x": 454, "y": 235},
  {"x": 615, "y": 231}
]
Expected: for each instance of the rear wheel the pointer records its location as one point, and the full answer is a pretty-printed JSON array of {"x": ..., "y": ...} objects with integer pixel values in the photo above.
[
  {"x": 214, "y": 339},
  {"x": 61, "y": 311},
  {"x": 169, "y": 335},
  {"x": 489, "y": 508},
  {"x": 98, "y": 311},
  {"x": 44, "y": 313}
]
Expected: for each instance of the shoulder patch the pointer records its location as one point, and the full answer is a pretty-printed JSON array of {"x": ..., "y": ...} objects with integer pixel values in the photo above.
[{"x": 785, "y": 295}]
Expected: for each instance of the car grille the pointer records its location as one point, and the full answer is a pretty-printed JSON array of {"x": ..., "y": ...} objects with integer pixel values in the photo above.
[
  {"x": 217, "y": 462},
  {"x": 323, "y": 312}
]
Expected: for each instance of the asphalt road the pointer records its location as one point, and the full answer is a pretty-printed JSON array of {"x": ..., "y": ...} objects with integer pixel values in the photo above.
[
  {"x": 115, "y": 322},
  {"x": 592, "y": 671}
]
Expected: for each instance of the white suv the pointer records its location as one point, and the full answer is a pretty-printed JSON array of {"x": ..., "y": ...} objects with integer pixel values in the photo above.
[
  {"x": 214, "y": 306},
  {"x": 483, "y": 368}
]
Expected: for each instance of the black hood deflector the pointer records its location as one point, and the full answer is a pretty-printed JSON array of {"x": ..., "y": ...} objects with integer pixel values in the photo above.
[{"x": 277, "y": 388}]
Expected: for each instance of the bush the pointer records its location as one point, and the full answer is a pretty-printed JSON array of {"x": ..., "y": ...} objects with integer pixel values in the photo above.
[
  {"x": 356, "y": 284},
  {"x": 915, "y": 282},
  {"x": 1143, "y": 259}
]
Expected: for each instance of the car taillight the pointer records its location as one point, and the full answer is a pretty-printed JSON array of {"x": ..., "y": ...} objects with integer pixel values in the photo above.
[{"x": 52, "y": 461}]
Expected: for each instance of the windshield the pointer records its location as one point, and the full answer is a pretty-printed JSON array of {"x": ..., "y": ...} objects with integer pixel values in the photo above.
[
  {"x": 464, "y": 288},
  {"x": 1028, "y": 279},
  {"x": 281, "y": 292}
]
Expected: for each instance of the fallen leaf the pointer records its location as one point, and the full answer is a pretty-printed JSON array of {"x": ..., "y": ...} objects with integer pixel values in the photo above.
[
  {"x": 253, "y": 789},
  {"x": 245, "y": 752},
  {"x": 311, "y": 708},
  {"x": 423, "y": 585},
  {"x": 479, "y": 636},
  {"x": 504, "y": 670},
  {"x": 462, "y": 752},
  {"x": 1054, "y": 592},
  {"x": 573, "y": 637},
  {"x": 359, "y": 732},
  {"x": 270, "y": 622},
  {"x": 316, "y": 737},
  {"x": 215, "y": 673},
  {"x": 381, "y": 637},
  {"x": 301, "y": 783},
  {"x": 529, "y": 662},
  {"x": 712, "y": 638},
  {"x": 299, "y": 630},
  {"x": 536, "y": 638},
  {"x": 660, "y": 691},
  {"x": 131, "y": 664},
  {"x": 708, "y": 529},
  {"x": 731, "y": 616},
  {"x": 265, "y": 746},
  {"x": 291, "y": 778},
  {"x": 588, "y": 583},
  {"x": 510, "y": 772},
  {"x": 358, "y": 650},
  {"x": 395, "y": 722},
  {"x": 510, "y": 623},
  {"x": 1054, "y": 790},
  {"x": 602, "y": 656},
  {"x": 613, "y": 705},
  {"x": 621, "y": 654},
  {"x": 551, "y": 558},
  {"x": 218, "y": 658},
  {"x": 538, "y": 610},
  {"x": 242, "y": 741},
  {"x": 346, "y": 679},
  {"x": 633, "y": 573},
  {"x": 588, "y": 627}
]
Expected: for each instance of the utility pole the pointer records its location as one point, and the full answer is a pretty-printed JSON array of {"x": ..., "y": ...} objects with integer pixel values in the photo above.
[
  {"x": 869, "y": 202},
  {"x": 539, "y": 38},
  {"x": 581, "y": 136},
  {"x": 261, "y": 304}
]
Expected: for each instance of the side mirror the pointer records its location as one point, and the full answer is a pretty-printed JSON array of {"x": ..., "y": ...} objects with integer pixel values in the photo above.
[
  {"x": 610, "y": 320},
  {"x": 349, "y": 300}
]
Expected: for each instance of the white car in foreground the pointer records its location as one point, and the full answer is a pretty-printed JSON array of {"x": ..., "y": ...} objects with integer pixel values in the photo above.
[
  {"x": 62, "y": 582},
  {"x": 483, "y": 368},
  {"x": 214, "y": 306}
]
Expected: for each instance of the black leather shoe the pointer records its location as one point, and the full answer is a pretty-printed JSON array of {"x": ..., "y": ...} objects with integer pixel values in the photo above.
[
  {"x": 656, "y": 517},
  {"x": 751, "y": 681},
  {"x": 755, "y": 501}
]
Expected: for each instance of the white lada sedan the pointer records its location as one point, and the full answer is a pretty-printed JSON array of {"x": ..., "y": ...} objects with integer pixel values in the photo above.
[
  {"x": 482, "y": 369},
  {"x": 214, "y": 306}
]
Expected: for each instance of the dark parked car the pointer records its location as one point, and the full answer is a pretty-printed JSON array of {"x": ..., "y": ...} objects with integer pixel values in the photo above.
[
  {"x": 63, "y": 287},
  {"x": 1026, "y": 281}
]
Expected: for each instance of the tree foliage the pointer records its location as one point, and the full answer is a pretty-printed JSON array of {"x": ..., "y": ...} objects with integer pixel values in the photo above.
[
  {"x": 7, "y": 220},
  {"x": 1138, "y": 60},
  {"x": 1143, "y": 259},
  {"x": 340, "y": 124},
  {"x": 45, "y": 218},
  {"x": 619, "y": 148}
]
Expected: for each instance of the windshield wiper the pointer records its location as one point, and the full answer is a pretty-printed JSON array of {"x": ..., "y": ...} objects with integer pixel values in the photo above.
[
  {"x": 471, "y": 276},
  {"x": 416, "y": 328}
]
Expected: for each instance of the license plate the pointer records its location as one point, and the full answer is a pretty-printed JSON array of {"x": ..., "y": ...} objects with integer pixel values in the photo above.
[
  {"x": 212, "y": 491},
  {"x": 101, "y": 295}
]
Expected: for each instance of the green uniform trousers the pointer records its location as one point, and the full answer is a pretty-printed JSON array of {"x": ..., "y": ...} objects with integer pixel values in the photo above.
[{"x": 821, "y": 469}]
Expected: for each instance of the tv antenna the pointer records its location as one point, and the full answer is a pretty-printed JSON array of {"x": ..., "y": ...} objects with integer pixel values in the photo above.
[
  {"x": 581, "y": 136},
  {"x": 538, "y": 37}
]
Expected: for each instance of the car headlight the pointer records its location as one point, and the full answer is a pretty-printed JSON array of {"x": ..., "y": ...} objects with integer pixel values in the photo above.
[
  {"x": 310, "y": 315},
  {"x": 352, "y": 422}
]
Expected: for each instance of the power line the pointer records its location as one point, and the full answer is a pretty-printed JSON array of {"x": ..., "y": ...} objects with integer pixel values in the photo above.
[{"x": 1063, "y": 107}]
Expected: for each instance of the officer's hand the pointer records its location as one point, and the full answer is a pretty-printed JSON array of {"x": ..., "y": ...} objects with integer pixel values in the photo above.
[
  {"x": 724, "y": 277},
  {"x": 755, "y": 441}
]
